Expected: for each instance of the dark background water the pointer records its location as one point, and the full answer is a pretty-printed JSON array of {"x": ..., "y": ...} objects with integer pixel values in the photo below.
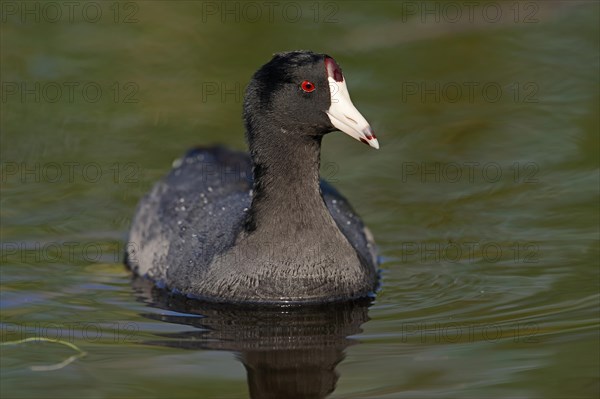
[{"x": 483, "y": 197}]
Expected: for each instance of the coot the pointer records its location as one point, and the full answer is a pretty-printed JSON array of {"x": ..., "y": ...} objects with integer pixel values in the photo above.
[{"x": 227, "y": 226}]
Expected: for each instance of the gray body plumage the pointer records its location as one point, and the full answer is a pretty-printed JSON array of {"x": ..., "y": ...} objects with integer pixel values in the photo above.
[{"x": 185, "y": 230}]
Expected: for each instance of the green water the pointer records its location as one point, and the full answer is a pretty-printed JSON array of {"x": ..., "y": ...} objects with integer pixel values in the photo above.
[{"x": 483, "y": 197}]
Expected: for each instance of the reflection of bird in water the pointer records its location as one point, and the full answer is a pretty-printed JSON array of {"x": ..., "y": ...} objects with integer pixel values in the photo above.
[{"x": 288, "y": 352}]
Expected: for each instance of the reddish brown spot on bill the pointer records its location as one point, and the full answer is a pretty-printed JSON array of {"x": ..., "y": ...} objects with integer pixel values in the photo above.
[
  {"x": 369, "y": 137},
  {"x": 364, "y": 141},
  {"x": 333, "y": 69}
]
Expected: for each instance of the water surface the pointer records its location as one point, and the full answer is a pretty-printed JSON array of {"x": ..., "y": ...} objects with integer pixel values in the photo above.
[{"x": 483, "y": 199}]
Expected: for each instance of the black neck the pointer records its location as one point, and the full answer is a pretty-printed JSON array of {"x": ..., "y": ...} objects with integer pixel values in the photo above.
[{"x": 286, "y": 193}]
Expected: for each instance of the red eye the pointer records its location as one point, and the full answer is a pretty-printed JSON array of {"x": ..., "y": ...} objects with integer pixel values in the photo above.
[{"x": 308, "y": 86}]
